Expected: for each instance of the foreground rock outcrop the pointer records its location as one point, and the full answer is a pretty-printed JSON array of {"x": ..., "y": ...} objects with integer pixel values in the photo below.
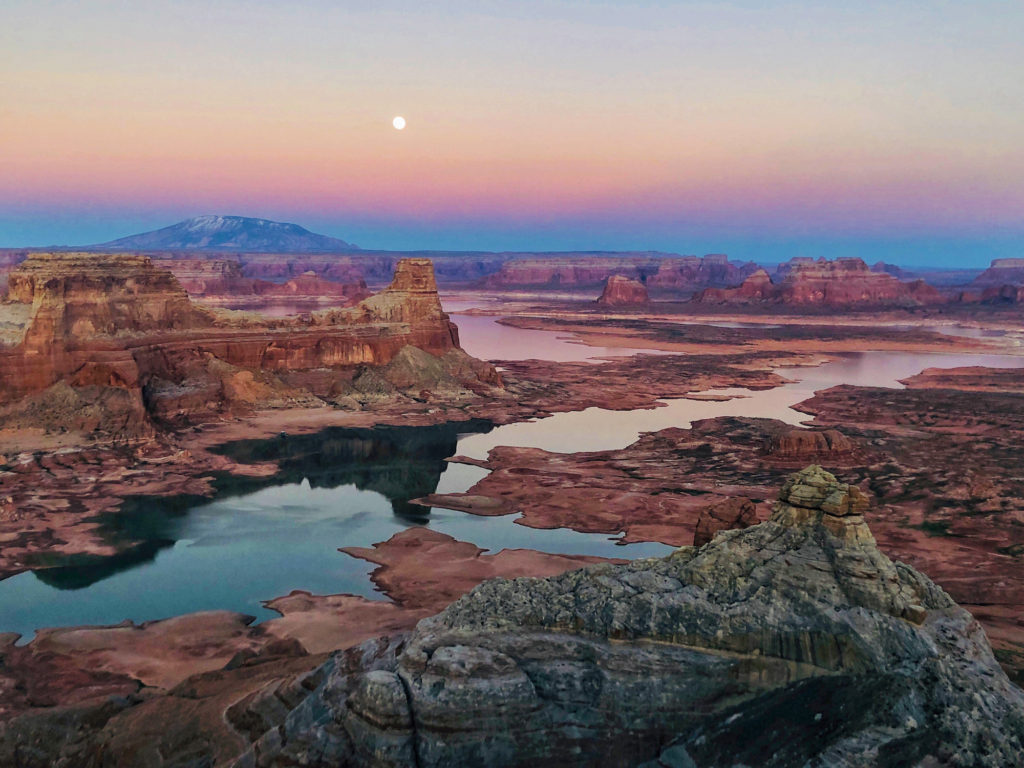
[{"x": 793, "y": 642}]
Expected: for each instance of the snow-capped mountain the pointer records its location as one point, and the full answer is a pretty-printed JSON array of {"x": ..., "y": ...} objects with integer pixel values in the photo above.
[{"x": 230, "y": 233}]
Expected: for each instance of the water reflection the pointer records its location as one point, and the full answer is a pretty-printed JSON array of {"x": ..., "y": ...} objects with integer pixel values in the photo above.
[{"x": 398, "y": 463}]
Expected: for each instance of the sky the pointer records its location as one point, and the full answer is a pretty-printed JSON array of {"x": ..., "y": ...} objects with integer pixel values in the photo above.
[{"x": 888, "y": 130}]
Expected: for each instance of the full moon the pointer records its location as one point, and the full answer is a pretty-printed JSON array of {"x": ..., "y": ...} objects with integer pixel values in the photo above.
[{"x": 399, "y": 123}]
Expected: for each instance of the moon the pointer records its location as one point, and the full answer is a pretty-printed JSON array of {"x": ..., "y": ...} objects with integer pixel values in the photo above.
[{"x": 399, "y": 123}]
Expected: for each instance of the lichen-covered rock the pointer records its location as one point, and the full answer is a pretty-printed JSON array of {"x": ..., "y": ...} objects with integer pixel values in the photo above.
[{"x": 794, "y": 642}]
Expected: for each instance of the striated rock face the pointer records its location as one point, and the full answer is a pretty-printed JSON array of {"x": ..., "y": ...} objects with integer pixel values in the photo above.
[
  {"x": 571, "y": 271},
  {"x": 620, "y": 290},
  {"x": 221, "y": 282},
  {"x": 756, "y": 288},
  {"x": 687, "y": 274},
  {"x": 805, "y": 445},
  {"x": 839, "y": 283},
  {"x": 664, "y": 273},
  {"x": 1004, "y": 294},
  {"x": 729, "y": 514},
  {"x": 123, "y": 335},
  {"x": 798, "y": 626},
  {"x": 1002, "y": 272}
]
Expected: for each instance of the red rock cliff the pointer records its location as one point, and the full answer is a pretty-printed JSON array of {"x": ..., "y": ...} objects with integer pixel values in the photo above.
[
  {"x": 117, "y": 321},
  {"x": 839, "y": 283}
]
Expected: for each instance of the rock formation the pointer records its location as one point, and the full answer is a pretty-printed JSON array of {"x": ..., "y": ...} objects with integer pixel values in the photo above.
[
  {"x": 1002, "y": 272},
  {"x": 665, "y": 273},
  {"x": 839, "y": 283},
  {"x": 122, "y": 334},
  {"x": 798, "y": 626},
  {"x": 810, "y": 445},
  {"x": 620, "y": 290},
  {"x": 729, "y": 514},
  {"x": 682, "y": 276},
  {"x": 221, "y": 282},
  {"x": 1004, "y": 294}
]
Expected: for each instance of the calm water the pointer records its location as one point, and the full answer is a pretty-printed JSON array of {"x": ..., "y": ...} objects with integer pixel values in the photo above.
[{"x": 262, "y": 537}]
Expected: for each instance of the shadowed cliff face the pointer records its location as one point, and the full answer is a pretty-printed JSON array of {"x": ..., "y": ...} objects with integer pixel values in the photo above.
[
  {"x": 113, "y": 347},
  {"x": 798, "y": 626}
]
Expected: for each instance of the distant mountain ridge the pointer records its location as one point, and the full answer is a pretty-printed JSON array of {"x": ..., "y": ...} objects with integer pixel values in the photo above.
[{"x": 230, "y": 233}]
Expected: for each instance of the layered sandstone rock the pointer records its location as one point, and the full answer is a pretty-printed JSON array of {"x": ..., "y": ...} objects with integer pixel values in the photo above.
[
  {"x": 1004, "y": 294},
  {"x": 730, "y": 514},
  {"x": 1002, "y": 272},
  {"x": 665, "y": 273},
  {"x": 620, "y": 290},
  {"x": 839, "y": 283},
  {"x": 756, "y": 288},
  {"x": 221, "y": 282},
  {"x": 799, "y": 626},
  {"x": 682, "y": 276},
  {"x": 108, "y": 324},
  {"x": 810, "y": 445}
]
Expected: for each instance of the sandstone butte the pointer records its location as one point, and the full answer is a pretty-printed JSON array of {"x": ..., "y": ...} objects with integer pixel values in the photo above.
[
  {"x": 620, "y": 290},
  {"x": 792, "y": 642},
  {"x": 116, "y": 341},
  {"x": 839, "y": 283}
]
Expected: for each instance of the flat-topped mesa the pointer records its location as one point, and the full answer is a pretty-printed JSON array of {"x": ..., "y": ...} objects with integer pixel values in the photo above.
[
  {"x": 85, "y": 307},
  {"x": 840, "y": 283},
  {"x": 620, "y": 290},
  {"x": 1002, "y": 272},
  {"x": 664, "y": 273},
  {"x": 102, "y": 294},
  {"x": 799, "y": 625}
]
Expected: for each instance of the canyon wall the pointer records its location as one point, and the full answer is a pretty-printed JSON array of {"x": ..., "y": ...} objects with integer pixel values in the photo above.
[
  {"x": 222, "y": 282},
  {"x": 839, "y": 283},
  {"x": 662, "y": 273}
]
